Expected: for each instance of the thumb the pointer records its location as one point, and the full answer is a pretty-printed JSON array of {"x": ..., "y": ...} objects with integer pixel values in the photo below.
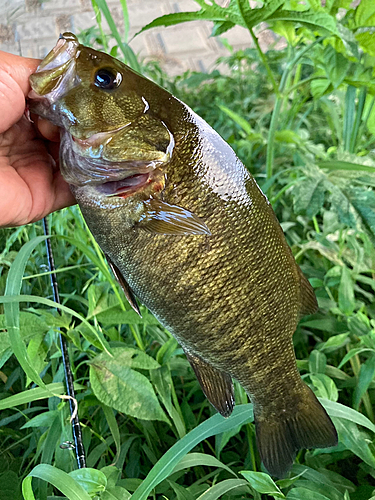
[{"x": 14, "y": 86}]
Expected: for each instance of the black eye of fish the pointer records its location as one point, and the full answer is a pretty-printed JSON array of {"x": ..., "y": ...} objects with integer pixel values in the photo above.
[{"x": 107, "y": 79}]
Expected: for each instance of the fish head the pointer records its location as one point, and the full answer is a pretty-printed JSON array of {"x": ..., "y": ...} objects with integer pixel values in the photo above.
[{"x": 108, "y": 130}]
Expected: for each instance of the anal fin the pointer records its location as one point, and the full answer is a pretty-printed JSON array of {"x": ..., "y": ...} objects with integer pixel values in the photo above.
[
  {"x": 127, "y": 290},
  {"x": 216, "y": 385}
]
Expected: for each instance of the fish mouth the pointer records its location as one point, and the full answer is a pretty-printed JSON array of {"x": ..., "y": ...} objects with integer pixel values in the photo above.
[
  {"x": 55, "y": 75},
  {"x": 125, "y": 187}
]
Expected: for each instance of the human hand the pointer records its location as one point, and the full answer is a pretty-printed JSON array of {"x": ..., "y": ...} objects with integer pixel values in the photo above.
[{"x": 31, "y": 185}]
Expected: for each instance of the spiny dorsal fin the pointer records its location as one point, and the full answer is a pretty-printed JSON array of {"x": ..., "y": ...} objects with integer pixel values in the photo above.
[
  {"x": 216, "y": 385},
  {"x": 127, "y": 290},
  {"x": 309, "y": 304}
]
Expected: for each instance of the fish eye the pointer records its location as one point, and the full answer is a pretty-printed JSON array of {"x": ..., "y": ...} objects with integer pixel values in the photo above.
[{"x": 107, "y": 79}]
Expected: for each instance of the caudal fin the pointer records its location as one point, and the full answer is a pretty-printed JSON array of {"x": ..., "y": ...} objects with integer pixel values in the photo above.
[{"x": 280, "y": 436}]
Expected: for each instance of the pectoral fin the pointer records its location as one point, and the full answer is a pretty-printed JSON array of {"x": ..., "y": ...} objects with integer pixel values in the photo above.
[
  {"x": 216, "y": 385},
  {"x": 162, "y": 218},
  {"x": 127, "y": 290}
]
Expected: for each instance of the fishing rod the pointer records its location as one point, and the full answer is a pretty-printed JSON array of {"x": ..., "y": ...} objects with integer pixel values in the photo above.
[{"x": 76, "y": 426}]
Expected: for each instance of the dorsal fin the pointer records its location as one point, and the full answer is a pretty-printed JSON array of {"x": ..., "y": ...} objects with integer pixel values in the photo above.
[
  {"x": 127, "y": 290},
  {"x": 216, "y": 385},
  {"x": 309, "y": 304}
]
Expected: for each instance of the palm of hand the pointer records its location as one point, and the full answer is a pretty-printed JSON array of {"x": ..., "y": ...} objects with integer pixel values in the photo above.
[{"x": 31, "y": 185}]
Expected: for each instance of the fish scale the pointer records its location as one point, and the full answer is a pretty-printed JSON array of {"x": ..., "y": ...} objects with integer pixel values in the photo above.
[{"x": 187, "y": 230}]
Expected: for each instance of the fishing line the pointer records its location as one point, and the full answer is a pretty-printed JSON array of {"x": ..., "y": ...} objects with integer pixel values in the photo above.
[{"x": 76, "y": 426}]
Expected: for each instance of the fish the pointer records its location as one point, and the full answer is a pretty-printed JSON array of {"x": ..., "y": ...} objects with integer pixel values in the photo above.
[{"x": 187, "y": 232}]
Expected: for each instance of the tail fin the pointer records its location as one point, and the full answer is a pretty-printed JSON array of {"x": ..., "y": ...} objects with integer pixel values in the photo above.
[{"x": 280, "y": 436}]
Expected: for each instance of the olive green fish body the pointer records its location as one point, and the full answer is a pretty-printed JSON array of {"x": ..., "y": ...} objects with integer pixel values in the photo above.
[{"x": 187, "y": 230}]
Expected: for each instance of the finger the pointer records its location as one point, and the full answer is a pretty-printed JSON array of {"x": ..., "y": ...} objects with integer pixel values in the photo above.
[
  {"x": 19, "y": 69},
  {"x": 48, "y": 130},
  {"x": 63, "y": 195},
  {"x": 14, "y": 85}
]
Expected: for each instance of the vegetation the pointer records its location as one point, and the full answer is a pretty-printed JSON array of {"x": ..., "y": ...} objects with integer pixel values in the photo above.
[{"x": 302, "y": 120}]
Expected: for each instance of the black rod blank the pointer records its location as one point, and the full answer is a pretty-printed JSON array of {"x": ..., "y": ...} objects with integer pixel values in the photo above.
[{"x": 76, "y": 426}]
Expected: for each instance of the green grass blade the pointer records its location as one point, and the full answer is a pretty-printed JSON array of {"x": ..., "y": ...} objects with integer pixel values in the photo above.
[
  {"x": 346, "y": 165},
  {"x": 59, "y": 479},
  {"x": 126, "y": 19},
  {"x": 12, "y": 308},
  {"x": 129, "y": 55},
  {"x": 195, "y": 459},
  {"x": 344, "y": 412},
  {"x": 30, "y": 395},
  {"x": 242, "y": 122},
  {"x": 349, "y": 116},
  {"x": 113, "y": 427},
  {"x": 222, "y": 488},
  {"x": 358, "y": 118},
  {"x": 211, "y": 427},
  {"x": 51, "y": 303}
]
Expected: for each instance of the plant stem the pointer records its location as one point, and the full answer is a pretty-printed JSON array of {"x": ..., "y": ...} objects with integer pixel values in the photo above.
[
  {"x": 316, "y": 225},
  {"x": 264, "y": 60},
  {"x": 137, "y": 337},
  {"x": 271, "y": 140}
]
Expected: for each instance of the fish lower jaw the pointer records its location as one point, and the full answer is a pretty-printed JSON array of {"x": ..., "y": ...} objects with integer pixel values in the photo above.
[{"x": 125, "y": 187}]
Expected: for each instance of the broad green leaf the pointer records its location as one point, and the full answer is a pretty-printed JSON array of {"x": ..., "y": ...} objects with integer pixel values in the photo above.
[
  {"x": 115, "y": 493},
  {"x": 334, "y": 342},
  {"x": 317, "y": 362},
  {"x": 30, "y": 325},
  {"x": 288, "y": 136},
  {"x": 325, "y": 385},
  {"x": 222, "y": 488},
  {"x": 365, "y": 14},
  {"x": 336, "y": 66},
  {"x": 92, "y": 480},
  {"x": 344, "y": 412},
  {"x": 119, "y": 387},
  {"x": 195, "y": 459},
  {"x": 59, "y": 479},
  {"x": 50, "y": 390},
  {"x": 346, "y": 292},
  {"x": 42, "y": 420},
  {"x": 12, "y": 308},
  {"x": 117, "y": 316},
  {"x": 127, "y": 356},
  {"x": 365, "y": 377},
  {"x": 353, "y": 352},
  {"x": 309, "y": 196},
  {"x": 354, "y": 440},
  {"x": 363, "y": 200},
  {"x": 211, "y": 427},
  {"x": 319, "y": 87},
  {"x": 50, "y": 303},
  {"x": 305, "y": 494},
  {"x": 313, "y": 20},
  {"x": 262, "y": 483}
]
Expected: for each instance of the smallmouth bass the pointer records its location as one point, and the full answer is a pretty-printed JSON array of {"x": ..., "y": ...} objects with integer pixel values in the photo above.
[{"x": 187, "y": 230}]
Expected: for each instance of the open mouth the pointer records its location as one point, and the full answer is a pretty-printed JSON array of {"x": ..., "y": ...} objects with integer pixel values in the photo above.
[{"x": 125, "y": 187}]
